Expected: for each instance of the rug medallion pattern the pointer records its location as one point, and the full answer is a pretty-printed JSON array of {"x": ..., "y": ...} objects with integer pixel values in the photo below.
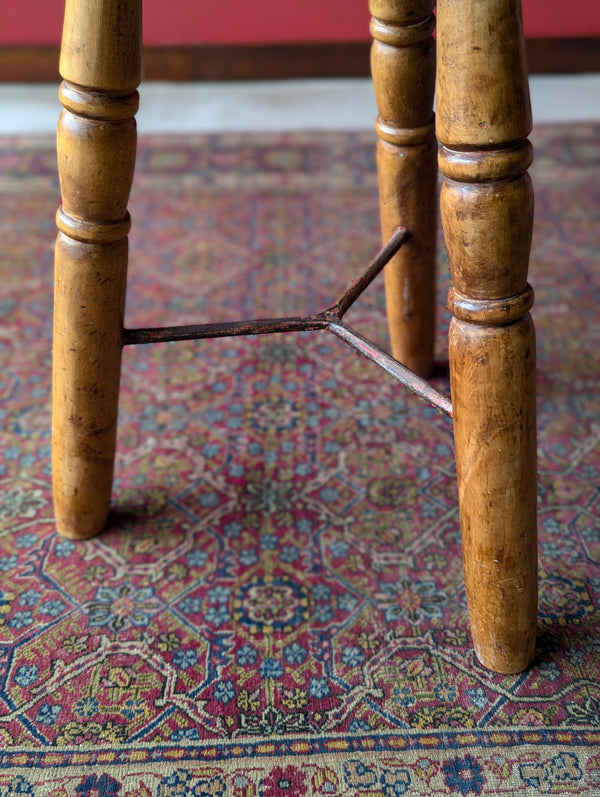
[{"x": 277, "y": 606}]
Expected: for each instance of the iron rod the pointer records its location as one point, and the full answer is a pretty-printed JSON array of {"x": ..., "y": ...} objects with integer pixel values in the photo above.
[
  {"x": 409, "y": 379},
  {"x": 381, "y": 259},
  {"x": 224, "y": 329},
  {"x": 329, "y": 319},
  {"x": 265, "y": 326}
]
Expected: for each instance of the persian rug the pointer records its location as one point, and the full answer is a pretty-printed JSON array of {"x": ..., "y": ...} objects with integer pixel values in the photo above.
[{"x": 277, "y": 606}]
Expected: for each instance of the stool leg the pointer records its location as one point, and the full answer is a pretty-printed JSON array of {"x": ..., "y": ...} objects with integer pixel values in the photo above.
[
  {"x": 483, "y": 119},
  {"x": 403, "y": 68},
  {"x": 100, "y": 64}
]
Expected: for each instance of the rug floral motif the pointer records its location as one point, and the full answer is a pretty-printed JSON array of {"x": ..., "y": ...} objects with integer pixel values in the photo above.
[{"x": 277, "y": 606}]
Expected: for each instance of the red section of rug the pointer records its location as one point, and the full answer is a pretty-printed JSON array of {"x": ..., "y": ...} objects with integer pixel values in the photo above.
[{"x": 281, "y": 579}]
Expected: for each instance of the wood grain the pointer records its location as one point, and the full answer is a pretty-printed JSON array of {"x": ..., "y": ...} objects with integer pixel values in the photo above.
[
  {"x": 403, "y": 68},
  {"x": 96, "y": 143},
  {"x": 483, "y": 119}
]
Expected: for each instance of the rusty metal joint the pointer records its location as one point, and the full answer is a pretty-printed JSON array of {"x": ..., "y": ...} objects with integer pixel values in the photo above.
[{"x": 329, "y": 320}]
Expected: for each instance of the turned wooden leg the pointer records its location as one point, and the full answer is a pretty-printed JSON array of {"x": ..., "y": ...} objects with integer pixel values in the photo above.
[
  {"x": 403, "y": 68},
  {"x": 483, "y": 119},
  {"x": 100, "y": 64}
]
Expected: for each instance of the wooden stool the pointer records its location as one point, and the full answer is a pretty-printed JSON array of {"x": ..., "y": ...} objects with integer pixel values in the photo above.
[{"x": 483, "y": 119}]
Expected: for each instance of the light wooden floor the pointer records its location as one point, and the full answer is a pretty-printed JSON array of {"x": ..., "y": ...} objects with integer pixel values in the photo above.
[{"x": 346, "y": 104}]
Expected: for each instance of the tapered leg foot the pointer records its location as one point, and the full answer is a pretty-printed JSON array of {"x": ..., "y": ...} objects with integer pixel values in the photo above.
[
  {"x": 96, "y": 146},
  {"x": 483, "y": 119}
]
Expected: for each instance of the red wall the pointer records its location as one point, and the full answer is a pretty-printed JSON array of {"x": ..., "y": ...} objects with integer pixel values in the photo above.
[{"x": 264, "y": 21}]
